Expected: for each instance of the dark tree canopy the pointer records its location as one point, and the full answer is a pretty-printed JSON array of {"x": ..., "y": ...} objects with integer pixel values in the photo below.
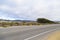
[{"x": 44, "y": 20}]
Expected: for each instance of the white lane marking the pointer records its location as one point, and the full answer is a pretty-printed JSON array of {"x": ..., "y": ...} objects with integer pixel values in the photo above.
[{"x": 39, "y": 34}]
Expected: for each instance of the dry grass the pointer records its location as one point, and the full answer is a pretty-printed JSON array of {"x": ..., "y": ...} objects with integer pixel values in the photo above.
[
  {"x": 7, "y": 24},
  {"x": 54, "y": 36}
]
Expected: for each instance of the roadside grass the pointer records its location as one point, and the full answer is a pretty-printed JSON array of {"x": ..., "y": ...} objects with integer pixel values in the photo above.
[
  {"x": 7, "y": 24},
  {"x": 10, "y": 24}
]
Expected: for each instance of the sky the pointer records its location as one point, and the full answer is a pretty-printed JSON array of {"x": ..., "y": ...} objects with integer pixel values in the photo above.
[{"x": 30, "y": 9}]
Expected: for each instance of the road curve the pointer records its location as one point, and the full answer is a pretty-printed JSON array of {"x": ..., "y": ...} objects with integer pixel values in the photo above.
[{"x": 27, "y": 33}]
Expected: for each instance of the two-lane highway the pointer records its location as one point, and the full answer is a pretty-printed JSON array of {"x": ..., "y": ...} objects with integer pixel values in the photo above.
[{"x": 27, "y": 32}]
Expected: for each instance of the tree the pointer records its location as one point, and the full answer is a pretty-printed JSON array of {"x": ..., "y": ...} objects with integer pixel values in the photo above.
[{"x": 44, "y": 20}]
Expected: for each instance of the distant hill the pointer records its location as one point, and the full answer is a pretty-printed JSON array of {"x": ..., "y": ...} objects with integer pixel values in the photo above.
[{"x": 4, "y": 20}]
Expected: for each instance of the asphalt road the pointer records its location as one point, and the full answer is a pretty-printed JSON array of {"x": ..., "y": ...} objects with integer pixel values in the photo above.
[{"x": 27, "y": 32}]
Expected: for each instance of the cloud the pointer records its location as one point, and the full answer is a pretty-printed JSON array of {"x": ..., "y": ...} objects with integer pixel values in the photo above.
[{"x": 32, "y": 9}]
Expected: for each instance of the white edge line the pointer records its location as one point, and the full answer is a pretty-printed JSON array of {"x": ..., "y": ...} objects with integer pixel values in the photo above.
[{"x": 39, "y": 34}]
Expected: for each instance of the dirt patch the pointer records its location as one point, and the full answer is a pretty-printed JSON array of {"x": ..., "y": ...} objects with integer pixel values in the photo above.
[{"x": 54, "y": 36}]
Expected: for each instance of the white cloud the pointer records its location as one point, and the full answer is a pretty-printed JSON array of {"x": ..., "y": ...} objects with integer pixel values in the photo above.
[
  {"x": 33, "y": 9},
  {"x": 4, "y": 7},
  {"x": 6, "y": 18}
]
